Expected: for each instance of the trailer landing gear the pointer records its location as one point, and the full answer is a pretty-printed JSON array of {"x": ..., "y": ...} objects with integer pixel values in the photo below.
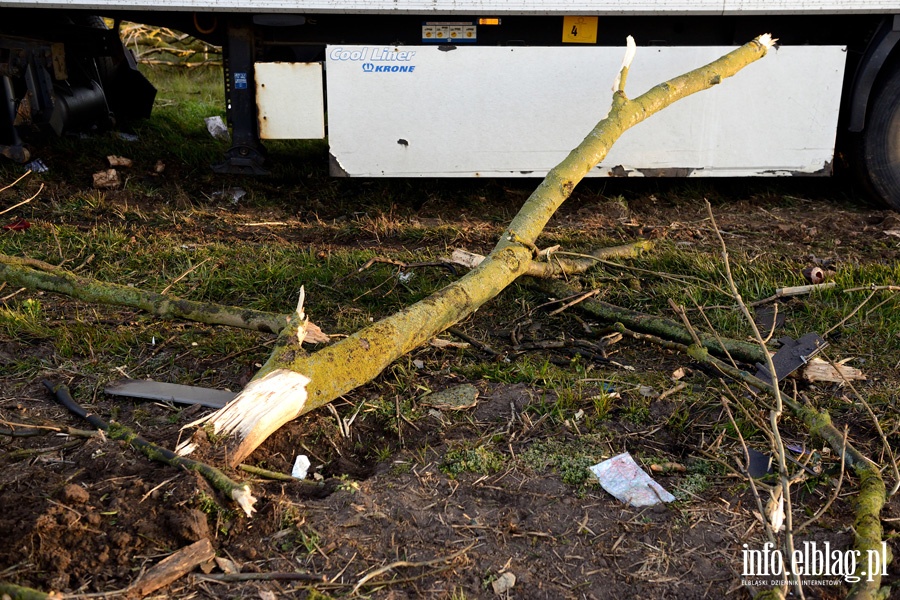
[{"x": 247, "y": 154}]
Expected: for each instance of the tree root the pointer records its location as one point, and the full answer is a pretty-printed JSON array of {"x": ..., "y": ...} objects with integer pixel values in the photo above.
[
  {"x": 238, "y": 492},
  {"x": 34, "y": 274}
]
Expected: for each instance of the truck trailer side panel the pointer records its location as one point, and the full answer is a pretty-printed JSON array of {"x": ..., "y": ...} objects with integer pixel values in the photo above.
[
  {"x": 402, "y": 111},
  {"x": 495, "y": 7}
]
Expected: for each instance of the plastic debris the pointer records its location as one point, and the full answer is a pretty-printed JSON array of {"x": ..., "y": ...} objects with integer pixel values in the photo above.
[
  {"x": 37, "y": 166},
  {"x": 234, "y": 194},
  {"x": 217, "y": 128},
  {"x": 301, "y": 467},
  {"x": 128, "y": 137},
  {"x": 647, "y": 392},
  {"x": 17, "y": 225},
  {"x": 628, "y": 483},
  {"x": 760, "y": 464}
]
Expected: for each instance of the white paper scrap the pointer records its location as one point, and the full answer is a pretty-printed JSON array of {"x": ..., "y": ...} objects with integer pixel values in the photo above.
[
  {"x": 301, "y": 467},
  {"x": 624, "y": 479}
]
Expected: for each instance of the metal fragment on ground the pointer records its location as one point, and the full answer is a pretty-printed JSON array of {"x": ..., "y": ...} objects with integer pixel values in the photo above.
[
  {"x": 170, "y": 392},
  {"x": 792, "y": 355}
]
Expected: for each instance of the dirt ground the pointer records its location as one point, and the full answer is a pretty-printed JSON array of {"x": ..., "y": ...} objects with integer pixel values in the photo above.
[{"x": 88, "y": 516}]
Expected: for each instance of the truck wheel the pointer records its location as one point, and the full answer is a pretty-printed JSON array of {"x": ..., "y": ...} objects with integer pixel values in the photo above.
[{"x": 879, "y": 151}]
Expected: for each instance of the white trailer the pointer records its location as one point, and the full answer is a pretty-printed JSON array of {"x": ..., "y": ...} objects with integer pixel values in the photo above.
[{"x": 466, "y": 88}]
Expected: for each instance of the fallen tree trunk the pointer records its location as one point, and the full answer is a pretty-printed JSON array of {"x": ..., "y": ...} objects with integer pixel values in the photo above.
[{"x": 252, "y": 416}]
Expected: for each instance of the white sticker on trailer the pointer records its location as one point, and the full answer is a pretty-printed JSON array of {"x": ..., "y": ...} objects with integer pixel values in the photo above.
[{"x": 518, "y": 111}]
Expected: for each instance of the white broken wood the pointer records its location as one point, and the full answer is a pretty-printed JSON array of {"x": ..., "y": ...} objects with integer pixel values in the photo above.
[
  {"x": 107, "y": 179},
  {"x": 263, "y": 406},
  {"x": 819, "y": 370},
  {"x": 119, "y": 161}
]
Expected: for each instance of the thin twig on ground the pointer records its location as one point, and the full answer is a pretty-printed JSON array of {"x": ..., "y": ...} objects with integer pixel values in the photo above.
[
  {"x": 775, "y": 414},
  {"x": 408, "y": 564}
]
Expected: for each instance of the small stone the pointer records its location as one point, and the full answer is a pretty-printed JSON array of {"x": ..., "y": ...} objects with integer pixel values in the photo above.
[{"x": 504, "y": 583}]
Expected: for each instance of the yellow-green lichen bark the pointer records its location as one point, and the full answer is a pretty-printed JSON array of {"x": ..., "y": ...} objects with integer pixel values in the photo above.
[
  {"x": 33, "y": 274},
  {"x": 359, "y": 358}
]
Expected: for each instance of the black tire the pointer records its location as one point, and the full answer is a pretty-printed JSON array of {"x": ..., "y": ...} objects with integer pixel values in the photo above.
[{"x": 879, "y": 148}]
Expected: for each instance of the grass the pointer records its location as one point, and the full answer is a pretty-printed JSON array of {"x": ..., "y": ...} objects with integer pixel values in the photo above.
[
  {"x": 480, "y": 460},
  {"x": 160, "y": 227},
  {"x": 569, "y": 459}
]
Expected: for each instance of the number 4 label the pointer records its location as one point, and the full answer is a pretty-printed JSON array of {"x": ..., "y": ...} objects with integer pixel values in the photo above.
[{"x": 579, "y": 30}]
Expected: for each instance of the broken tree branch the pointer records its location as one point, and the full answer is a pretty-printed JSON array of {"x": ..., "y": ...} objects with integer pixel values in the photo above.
[
  {"x": 38, "y": 275},
  {"x": 870, "y": 500},
  {"x": 359, "y": 358},
  {"x": 561, "y": 265},
  {"x": 238, "y": 492},
  {"x": 646, "y": 323},
  {"x": 174, "y": 566},
  {"x": 774, "y": 414}
]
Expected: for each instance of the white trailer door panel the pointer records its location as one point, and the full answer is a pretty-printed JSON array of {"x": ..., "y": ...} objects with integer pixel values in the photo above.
[{"x": 431, "y": 111}]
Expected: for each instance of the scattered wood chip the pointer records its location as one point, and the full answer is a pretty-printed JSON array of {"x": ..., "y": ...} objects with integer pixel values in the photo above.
[
  {"x": 678, "y": 373},
  {"x": 119, "y": 161},
  {"x": 314, "y": 335},
  {"x": 893, "y": 232},
  {"x": 440, "y": 343},
  {"x": 820, "y": 370},
  {"x": 174, "y": 566},
  {"x": 465, "y": 258},
  {"x": 107, "y": 179},
  {"x": 668, "y": 467},
  {"x": 159, "y": 167}
]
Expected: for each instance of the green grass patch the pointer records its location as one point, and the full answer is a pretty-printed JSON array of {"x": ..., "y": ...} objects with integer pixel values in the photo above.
[
  {"x": 480, "y": 460},
  {"x": 568, "y": 458}
]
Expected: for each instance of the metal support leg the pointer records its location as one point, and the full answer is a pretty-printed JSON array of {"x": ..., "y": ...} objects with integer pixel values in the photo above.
[
  {"x": 247, "y": 154},
  {"x": 14, "y": 150}
]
